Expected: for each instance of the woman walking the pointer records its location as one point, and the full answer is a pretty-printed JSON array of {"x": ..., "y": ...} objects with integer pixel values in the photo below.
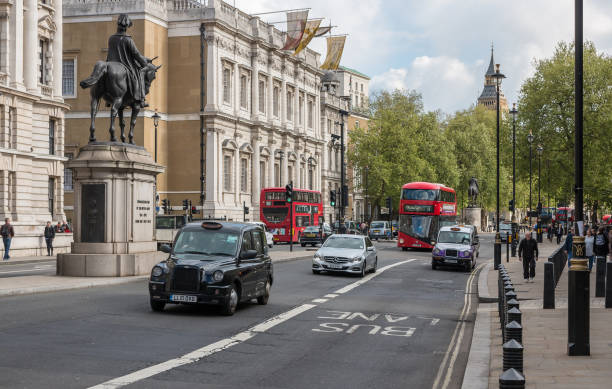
[
  {"x": 589, "y": 242},
  {"x": 49, "y": 236},
  {"x": 601, "y": 243}
]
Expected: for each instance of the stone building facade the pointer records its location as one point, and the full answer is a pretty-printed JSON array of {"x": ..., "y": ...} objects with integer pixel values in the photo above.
[
  {"x": 31, "y": 122},
  {"x": 263, "y": 122}
]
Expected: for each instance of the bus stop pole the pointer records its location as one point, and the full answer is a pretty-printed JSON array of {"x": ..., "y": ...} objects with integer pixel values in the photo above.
[{"x": 291, "y": 221}]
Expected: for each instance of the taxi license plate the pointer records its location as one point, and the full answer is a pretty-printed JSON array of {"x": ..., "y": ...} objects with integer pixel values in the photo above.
[
  {"x": 334, "y": 266},
  {"x": 310, "y": 235},
  {"x": 450, "y": 260},
  {"x": 183, "y": 298}
]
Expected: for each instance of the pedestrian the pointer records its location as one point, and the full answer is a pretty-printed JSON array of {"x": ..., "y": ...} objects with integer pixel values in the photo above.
[
  {"x": 610, "y": 242},
  {"x": 58, "y": 228},
  {"x": 7, "y": 233},
  {"x": 567, "y": 246},
  {"x": 589, "y": 241},
  {"x": 600, "y": 249},
  {"x": 528, "y": 254},
  {"x": 49, "y": 236},
  {"x": 65, "y": 227},
  {"x": 559, "y": 233},
  {"x": 549, "y": 232}
]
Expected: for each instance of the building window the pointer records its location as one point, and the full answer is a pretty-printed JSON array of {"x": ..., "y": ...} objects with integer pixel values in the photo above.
[
  {"x": 51, "y": 136},
  {"x": 310, "y": 113},
  {"x": 227, "y": 85},
  {"x": 12, "y": 126},
  {"x": 331, "y": 159},
  {"x": 12, "y": 191},
  {"x": 302, "y": 177},
  {"x": 275, "y": 101},
  {"x": 310, "y": 174},
  {"x": 68, "y": 77},
  {"x": 337, "y": 161},
  {"x": 361, "y": 88},
  {"x": 301, "y": 110},
  {"x": 42, "y": 61},
  {"x": 262, "y": 96},
  {"x": 262, "y": 174},
  {"x": 227, "y": 173},
  {"x": 289, "y": 106},
  {"x": 289, "y": 173},
  {"x": 51, "y": 195},
  {"x": 243, "y": 174},
  {"x": 243, "y": 92},
  {"x": 68, "y": 182},
  {"x": 329, "y": 125},
  {"x": 277, "y": 179}
]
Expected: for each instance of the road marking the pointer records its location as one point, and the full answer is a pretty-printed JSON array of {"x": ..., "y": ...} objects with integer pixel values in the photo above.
[
  {"x": 224, "y": 344},
  {"x": 23, "y": 271},
  {"x": 455, "y": 342},
  {"x": 319, "y": 300},
  {"x": 436, "y": 281},
  {"x": 331, "y": 296}
]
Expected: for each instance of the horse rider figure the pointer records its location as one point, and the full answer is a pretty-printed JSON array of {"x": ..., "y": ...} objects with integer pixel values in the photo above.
[
  {"x": 473, "y": 191},
  {"x": 121, "y": 48}
]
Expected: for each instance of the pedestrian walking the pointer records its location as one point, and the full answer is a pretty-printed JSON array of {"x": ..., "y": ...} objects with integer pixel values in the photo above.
[
  {"x": 559, "y": 233},
  {"x": 49, "y": 236},
  {"x": 601, "y": 248},
  {"x": 589, "y": 242},
  {"x": 567, "y": 246},
  {"x": 549, "y": 232},
  {"x": 7, "y": 233},
  {"x": 528, "y": 254}
]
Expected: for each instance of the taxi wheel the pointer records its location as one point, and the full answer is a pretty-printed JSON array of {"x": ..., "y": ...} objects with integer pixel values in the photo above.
[
  {"x": 229, "y": 308},
  {"x": 157, "y": 306},
  {"x": 363, "y": 270},
  {"x": 433, "y": 266},
  {"x": 375, "y": 265},
  {"x": 468, "y": 267},
  {"x": 263, "y": 300}
]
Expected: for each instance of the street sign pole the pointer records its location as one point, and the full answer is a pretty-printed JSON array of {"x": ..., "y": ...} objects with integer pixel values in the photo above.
[{"x": 291, "y": 220}]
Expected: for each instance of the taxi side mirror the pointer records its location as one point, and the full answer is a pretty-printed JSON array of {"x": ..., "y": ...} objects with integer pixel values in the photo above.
[
  {"x": 249, "y": 254},
  {"x": 165, "y": 248}
]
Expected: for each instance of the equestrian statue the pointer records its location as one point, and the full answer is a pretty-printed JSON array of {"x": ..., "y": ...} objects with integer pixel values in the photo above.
[
  {"x": 473, "y": 192},
  {"x": 123, "y": 80}
]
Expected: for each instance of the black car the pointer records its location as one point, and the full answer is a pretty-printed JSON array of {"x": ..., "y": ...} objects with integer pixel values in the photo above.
[
  {"x": 216, "y": 263},
  {"x": 312, "y": 235}
]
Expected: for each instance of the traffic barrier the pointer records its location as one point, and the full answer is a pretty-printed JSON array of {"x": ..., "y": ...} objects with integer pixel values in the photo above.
[
  {"x": 549, "y": 285},
  {"x": 600, "y": 277},
  {"x": 513, "y": 303},
  {"x": 514, "y": 314},
  {"x": 513, "y": 355},
  {"x": 559, "y": 258},
  {"x": 511, "y": 379},
  {"x": 609, "y": 284},
  {"x": 514, "y": 331}
]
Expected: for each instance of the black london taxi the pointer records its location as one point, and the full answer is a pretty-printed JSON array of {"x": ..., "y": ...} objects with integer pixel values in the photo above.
[{"x": 216, "y": 263}]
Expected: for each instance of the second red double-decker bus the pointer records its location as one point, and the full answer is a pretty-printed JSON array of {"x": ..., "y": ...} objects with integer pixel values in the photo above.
[
  {"x": 275, "y": 212},
  {"x": 424, "y": 208}
]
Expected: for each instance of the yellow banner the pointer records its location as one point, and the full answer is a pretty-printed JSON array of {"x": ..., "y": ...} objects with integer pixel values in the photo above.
[
  {"x": 335, "y": 47},
  {"x": 309, "y": 33}
]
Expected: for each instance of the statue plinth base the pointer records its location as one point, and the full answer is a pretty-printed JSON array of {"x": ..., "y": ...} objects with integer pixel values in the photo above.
[
  {"x": 473, "y": 216},
  {"x": 114, "y": 211}
]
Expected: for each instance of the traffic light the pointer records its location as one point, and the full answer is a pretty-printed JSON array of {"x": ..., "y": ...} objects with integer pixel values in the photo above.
[
  {"x": 185, "y": 204},
  {"x": 246, "y": 210},
  {"x": 389, "y": 204},
  {"x": 511, "y": 205},
  {"x": 332, "y": 198},
  {"x": 289, "y": 192},
  {"x": 166, "y": 205}
]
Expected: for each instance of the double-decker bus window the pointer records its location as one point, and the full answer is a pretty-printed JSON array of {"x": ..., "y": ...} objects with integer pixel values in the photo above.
[
  {"x": 275, "y": 215},
  {"x": 417, "y": 226},
  {"x": 421, "y": 194},
  {"x": 275, "y": 196},
  {"x": 302, "y": 221}
]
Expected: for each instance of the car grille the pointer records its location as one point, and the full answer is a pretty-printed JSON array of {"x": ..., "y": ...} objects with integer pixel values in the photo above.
[
  {"x": 451, "y": 253},
  {"x": 336, "y": 259},
  {"x": 186, "y": 279}
]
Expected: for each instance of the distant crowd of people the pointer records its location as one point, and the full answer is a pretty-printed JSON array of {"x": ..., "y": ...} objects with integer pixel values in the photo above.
[{"x": 8, "y": 233}]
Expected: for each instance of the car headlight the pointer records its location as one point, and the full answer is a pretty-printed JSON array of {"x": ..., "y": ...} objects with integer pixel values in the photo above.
[
  {"x": 357, "y": 258},
  {"x": 437, "y": 251},
  {"x": 317, "y": 256},
  {"x": 157, "y": 271},
  {"x": 464, "y": 254},
  {"x": 217, "y": 276}
]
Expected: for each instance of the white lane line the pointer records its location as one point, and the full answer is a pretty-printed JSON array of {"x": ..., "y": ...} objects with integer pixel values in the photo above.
[
  {"x": 367, "y": 278},
  {"x": 319, "y": 300},
  {"x": 223, "y": 344},
  {"x": 331, "y": 296},
  {"x": 455, "y": 342},
  {"x": 24, "y": 271}
]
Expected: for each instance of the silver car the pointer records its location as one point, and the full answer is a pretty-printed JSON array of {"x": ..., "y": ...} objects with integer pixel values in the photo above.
[{"x": 354, "y": 254}]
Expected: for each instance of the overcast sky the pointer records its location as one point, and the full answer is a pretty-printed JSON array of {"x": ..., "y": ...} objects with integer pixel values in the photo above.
[{"x": 441, "y": 48}]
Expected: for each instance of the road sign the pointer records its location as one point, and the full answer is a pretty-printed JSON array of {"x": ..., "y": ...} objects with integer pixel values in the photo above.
[{"x": 384, "y": 210}]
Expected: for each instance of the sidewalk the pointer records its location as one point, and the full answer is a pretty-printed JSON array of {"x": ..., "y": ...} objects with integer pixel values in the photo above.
[
  {"x": 545, "y": 360},
  {"x": 12, "y": 286}
]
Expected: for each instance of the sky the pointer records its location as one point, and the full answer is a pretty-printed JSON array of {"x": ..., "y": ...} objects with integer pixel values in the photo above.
[{"x": 441, "y": 48}]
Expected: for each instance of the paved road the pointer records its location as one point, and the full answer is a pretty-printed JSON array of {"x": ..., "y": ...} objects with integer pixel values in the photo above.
[
  {"x": 390, "y": 330},
  {"x": 28, "y": 269}
]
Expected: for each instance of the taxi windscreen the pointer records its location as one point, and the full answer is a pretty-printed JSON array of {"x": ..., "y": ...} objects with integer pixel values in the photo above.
[
  {"x": 456, "y": 237},
  {"x": 344, "y": 243},
  {"x": 207, "y": 242}
]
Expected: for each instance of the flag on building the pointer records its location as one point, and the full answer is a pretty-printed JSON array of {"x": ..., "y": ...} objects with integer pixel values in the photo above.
[
  {"x": 335, "y": 46},
  {"x": 296, "y": 22},
  {"x": 309, "y": 33},
  {"x": 322, "y": 31}
]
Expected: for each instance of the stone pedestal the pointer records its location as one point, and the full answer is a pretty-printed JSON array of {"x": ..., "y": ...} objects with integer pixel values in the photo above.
[
  {"x": 114, "y": 210},
  {"x": 473, "y": 217}
]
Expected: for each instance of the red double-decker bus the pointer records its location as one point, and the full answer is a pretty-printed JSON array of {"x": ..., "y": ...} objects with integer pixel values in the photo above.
[
  {"x": 424, "y": 208},
  {"x": 565, "y": 215},
  {"x": 275, "y": 212}
]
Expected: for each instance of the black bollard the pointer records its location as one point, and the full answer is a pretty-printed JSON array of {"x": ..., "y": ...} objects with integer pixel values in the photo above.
[
  {"x": 578, "y": 303},
  {"x": 609, "y": 284},
  {"x": 511, "y": 379},
  {"x": 514, "y": 314},
  {"x": 514, "y": 331},
  {"x": 600, "y": 277},
  {"x": 513, "y": 355},
  {"x": 507, "y": 247},
  {"x": 549, "y": 285},
  {"x": 513, "y": 303}
]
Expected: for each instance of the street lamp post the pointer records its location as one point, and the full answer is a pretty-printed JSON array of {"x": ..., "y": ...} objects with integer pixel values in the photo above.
[
  {"x": 497, "y": 253},
  {"x": 367, "y": 209},
  {"x": 156, "y": 118},
  {"x": 514, "y": 112},
  {"x": 530, "y": 140},
  {"x": 540, "y": 149}
]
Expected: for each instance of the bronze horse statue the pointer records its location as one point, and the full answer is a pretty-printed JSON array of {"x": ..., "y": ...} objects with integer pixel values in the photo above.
[
  {"x": 109, "y": 80},
  {"x": 473, "y": 191}
]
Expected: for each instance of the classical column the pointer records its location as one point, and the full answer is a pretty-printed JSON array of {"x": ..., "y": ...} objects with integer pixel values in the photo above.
[
  {"x": 285, "y": 168},
  {"x": 298, "y": 172},
  {"x": 15, "y": 21},
  {"x": 30, "y": 45},
  {"x": 254, "y": 85},
  {"x": 255, "y": 178},
  {"x": 271, "y": 161},
  {"x": 57, "y": 50},
  {"x": 213, "y": 181},
  {"x": 213, "y": 73},
  {"x": 283, "y": 102}
]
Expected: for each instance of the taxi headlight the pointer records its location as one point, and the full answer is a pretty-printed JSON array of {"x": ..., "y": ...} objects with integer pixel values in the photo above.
[
  {"x": 217, "y": 276},
  {"x": 464, "y": 254},
  {"x": 357, "y": 258},
  {"x": 437, "y": 251},
  {"x": 157, "y": 271}
]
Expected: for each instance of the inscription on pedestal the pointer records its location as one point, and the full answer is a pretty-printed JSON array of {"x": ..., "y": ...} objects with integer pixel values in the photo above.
[
  {"x": 143, "y": 214},
  {"x": 93, "y": 203}
]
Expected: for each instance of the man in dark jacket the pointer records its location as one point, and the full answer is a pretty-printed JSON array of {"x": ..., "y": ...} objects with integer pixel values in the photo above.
[
  {"x": 600, "y": 248},
  {"x": 528, "y": 253},
  {"x": 7, "y": 233},
  {"x": 559, "y": 233},
  {"x": 49, "y": 236}
]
